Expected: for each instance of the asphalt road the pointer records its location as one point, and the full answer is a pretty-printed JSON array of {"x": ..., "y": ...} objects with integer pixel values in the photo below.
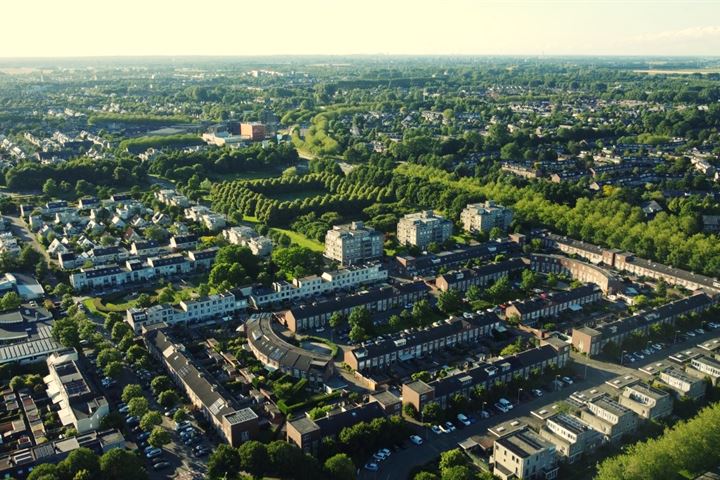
[
  {"x": 590, "y": 373},
  {"x": 20, "y": 230}
]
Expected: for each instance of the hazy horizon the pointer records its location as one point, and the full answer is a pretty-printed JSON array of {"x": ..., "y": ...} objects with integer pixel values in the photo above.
[{"x": 82, "y": 28}]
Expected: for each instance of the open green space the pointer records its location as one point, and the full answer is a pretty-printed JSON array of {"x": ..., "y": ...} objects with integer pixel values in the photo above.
[{"x": 302, "y": 240}]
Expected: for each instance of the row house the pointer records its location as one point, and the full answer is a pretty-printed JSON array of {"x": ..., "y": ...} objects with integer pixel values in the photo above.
[
  {"x": 592, "y": 340},
  {"x": 418, "y": 393},
  {"x": 382, "y": 353},
  {"x": 479, "y": 276},
  {"x": 609, "y": 418},
  {"x": 348, "y": 278},
  {"x": 380, "y": 299},
  {"x": 221, "y": 306},
  {"x": 550, "y": 305}
]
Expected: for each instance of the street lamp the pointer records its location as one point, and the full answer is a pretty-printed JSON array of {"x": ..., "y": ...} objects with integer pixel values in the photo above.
[
  {"x": 518, "y": 399},
  {"x": 557, "y": 381},
  {"x": 676, "y": 334},
  {"x": 622, "y": 356},
  {"x": 483, "y": 406}
]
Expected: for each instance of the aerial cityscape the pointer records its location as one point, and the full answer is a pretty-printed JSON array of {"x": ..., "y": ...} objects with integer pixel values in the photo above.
[{"x": 466, "y": 257}]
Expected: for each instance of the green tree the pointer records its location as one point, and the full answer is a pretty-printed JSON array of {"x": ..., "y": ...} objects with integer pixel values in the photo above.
[
  {"x": 357, "y": 334},
  {"x": 336, "y": 319},
  {"x": 50, "y": 188},
  {"x": 452, "y": 458},
  {"x": 180, "y": 415},
  {"x": 159, "y": 437},
  {"x": 80, "y": 459},
  {"x": 138, "y": 406},
  {"x": 432, "y": 412},
  {"x": 150, "y": 419},
  {"x": 10, "y": 301},
  {"x": 44, "y": 471},
  {"x": 340, "y": 467},
  {"x": 168, "y": 398},
  {"x": 224, "y": 463},
  {"x": 254, "y": 458},
  {"x": 529, "y": 280},
  {"x": 450, "y": 301},
  {"x": 120, "y": 464},
  {"x": 160, "y": 384},
  {"x": 425, "y": 476},
  {"x": 131, "y": 391},
  {"x": 459, "y": 472},
  {"x": 113, "y": 369}
]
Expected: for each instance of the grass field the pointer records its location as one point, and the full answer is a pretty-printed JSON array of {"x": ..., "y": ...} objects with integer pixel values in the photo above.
[{"x": 301, "y": 240}]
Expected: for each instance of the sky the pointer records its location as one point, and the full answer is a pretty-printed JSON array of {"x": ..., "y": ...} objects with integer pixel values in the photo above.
[{"x": 53, "y": 28}]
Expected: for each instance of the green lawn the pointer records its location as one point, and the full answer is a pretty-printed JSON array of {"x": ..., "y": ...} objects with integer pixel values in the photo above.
[{"x": 301, "y": 240}]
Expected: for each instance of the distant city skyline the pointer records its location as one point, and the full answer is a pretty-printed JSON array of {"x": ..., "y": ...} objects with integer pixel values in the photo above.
[{"x": 77, "y": 28}]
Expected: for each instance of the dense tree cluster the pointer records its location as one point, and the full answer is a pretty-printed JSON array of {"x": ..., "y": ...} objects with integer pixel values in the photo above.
[{"x": 180, "y": 165}]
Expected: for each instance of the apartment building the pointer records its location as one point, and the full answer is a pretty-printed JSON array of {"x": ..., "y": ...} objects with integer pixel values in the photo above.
[
  {"x": 648, "y": 402},
  {"x": 483, "y": 217},
  {"x": 308, "y": 434},
  {"x": 552, "y": 304},
  {"x": 347, "y": 278},
  {"x": 591, "y": 340},
  {"x": 608, "y": 281},
  {"x": 628, "y": 262},
  {"x": 423, "y": 228},
  {"x": 136, "y": 270},
  {"x": 353, "y": 243},
  {"x": 234, "y": 424},
  {"x": 278, "y": 354},
  {"x": 683, "y": 384},
  {"x": 171, "y": 197},
  {"x": 247, "y": 237},
  {"x": 253, "y": 131},
  {"x": 430, "y": 263},
  {"x": 381, "y": 353},
  {"x": 523, "y": 454},
  {"x": 609, "y": 418},
  {"x": 418, "y": 393},
  {"x": 8, "y": 244},
  {"x": 571, "y": 436},
  {"x": 22, "y": 459},
  {"x": 67, "y": 387},
  {"x": 479, "y": 276},
  {"x": 221, "y": 306},
  {"x": 378, "y": 299},
  {"x": 183, "y": 242},
  {"x": 704, "y": 366}
]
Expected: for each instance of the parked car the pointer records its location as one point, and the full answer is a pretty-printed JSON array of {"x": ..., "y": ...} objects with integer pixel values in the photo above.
[
  {"x": 449, "y": 427},
  {"x": 154, "y": 453},
  {"x": 372, "y": 467},
  {"x": 437, "y": 429},
  {"x": 501, "y": 407},
  {"x": 417, "y": 440},
  {"x": 484, "y": 414},
  {"x": 385, "y": 451},
  {"x": 537, "y": 392},
  {"x": 567, "y": 380},
  {"x": 507, "y": 403},
  {"x": 379, "y": 457},
  {"x": 463, "y": 419},
  {"x": 182, "y": 425},
  {"x": 201, "y": 452},
  {"x": 161, "y": 466}
]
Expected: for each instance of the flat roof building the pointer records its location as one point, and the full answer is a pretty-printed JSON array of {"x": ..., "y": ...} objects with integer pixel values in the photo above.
[
  {"x": 423, "y": 228},
  {"x": 353, "y": 243},
  {"x": 523, "y": 454}
]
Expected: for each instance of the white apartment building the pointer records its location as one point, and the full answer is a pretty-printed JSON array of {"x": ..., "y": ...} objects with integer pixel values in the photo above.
[
  {"x": 299, "y": 288},
  {"x": 523, "y": 454},
  {"x": 67, "y": 387},
  {"x": 423, "y": 228},
  {"x": 247, "y": 237},
  {"x": 213, "y": 307},
  {"x": 353, "y": 243},
  {"x": 483, "y": 217}
]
